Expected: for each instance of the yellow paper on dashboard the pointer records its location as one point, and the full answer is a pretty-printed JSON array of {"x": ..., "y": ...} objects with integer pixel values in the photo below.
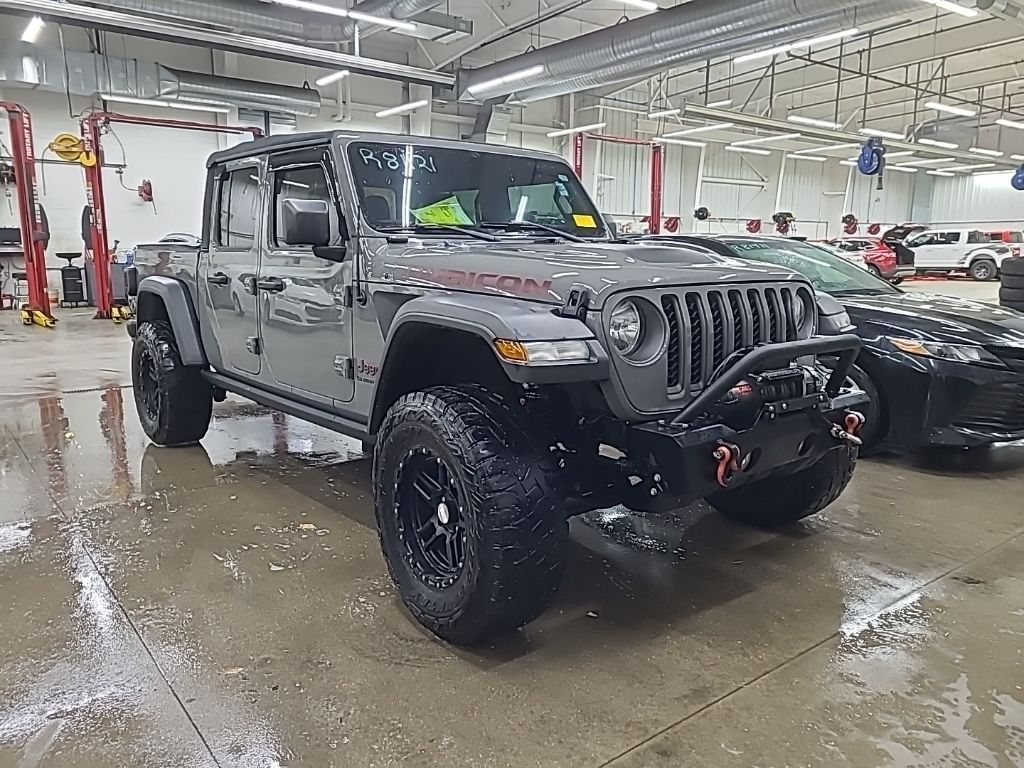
[{"x": 448, "y": 212}]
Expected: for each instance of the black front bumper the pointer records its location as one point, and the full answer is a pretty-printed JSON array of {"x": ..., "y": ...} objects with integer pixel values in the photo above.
[
  {"x": 944, "y": 403},
  {"x": 782, "y": 436}
]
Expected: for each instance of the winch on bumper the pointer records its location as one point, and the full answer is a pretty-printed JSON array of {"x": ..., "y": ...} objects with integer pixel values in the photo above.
[{"x": 756, "y": 420}]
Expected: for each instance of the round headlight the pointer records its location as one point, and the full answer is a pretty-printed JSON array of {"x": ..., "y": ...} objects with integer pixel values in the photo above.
[
  {"x": 626, "y": 328},
  {"x": 799, "y": 310}
]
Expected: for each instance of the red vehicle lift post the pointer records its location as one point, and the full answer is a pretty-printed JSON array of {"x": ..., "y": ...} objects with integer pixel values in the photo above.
[
  {"x": 91, "y": 126},
  {"x": 657, "y": 169},
  {"x": 30, "y": 216}
]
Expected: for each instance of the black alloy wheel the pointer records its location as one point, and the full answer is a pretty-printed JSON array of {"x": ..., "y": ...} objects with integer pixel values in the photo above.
[
  {"x": 152, "y": 397},
  {"x": 431, "y": 518}
]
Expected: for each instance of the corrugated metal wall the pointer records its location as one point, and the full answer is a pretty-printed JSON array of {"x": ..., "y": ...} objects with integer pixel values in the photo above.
[
  {"x": 891, "y": 205},
  {"x": 987, "y": 201}
]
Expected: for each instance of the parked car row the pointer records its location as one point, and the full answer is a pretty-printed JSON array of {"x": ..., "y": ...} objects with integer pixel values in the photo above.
[
  {"x": 909, "y": 250},
  {"x": 939, "y": 370}
]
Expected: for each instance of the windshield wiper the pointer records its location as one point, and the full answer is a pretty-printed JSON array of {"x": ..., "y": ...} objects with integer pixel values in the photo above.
[
  {"x": 427, "y": 229},
  {"x": 518, "y": 226}
]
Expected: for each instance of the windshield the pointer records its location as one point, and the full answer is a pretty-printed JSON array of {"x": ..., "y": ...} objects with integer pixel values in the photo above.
[
  {"x": 827, "y": 272},
  {"x": 414, "y": 187}
]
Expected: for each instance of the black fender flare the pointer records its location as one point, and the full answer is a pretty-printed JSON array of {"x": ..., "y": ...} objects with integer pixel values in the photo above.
[
  {"x": 490, "y": 318},
  {"x": 181, "y": 314}
]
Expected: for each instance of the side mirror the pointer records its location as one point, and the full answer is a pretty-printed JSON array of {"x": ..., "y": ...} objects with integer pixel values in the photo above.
[
  {"x": 613, "y": 228},
  {"x": 305, "y": 222}
]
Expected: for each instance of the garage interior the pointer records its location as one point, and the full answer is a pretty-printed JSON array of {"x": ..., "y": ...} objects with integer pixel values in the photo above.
[{"x": 227, "y": 604}]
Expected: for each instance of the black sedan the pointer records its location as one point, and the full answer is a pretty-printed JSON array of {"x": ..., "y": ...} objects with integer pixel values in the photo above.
[{"x": 939, "y": 370}]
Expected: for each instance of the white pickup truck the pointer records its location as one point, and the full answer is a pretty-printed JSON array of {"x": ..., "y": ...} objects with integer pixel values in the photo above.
[{"x": 957, "y": 250}]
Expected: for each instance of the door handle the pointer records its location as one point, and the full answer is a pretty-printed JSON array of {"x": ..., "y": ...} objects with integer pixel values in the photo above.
[
  {"x": 218, "y": 278},
  {"x": 270, "y": 284}
]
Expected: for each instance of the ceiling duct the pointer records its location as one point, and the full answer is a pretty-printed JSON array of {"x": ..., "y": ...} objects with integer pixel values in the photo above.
[
  {"x": 647, "y": 46},
  {"x": 491, "y": 124},
  {"x": 394, "y": 9},
  {"x": 30, "y": 66},
  {"x": 180, "y": 31},
  {"x": 1003, "y": 9}
]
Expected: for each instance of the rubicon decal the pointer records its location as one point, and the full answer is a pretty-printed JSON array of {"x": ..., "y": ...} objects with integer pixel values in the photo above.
[{"x": 458, "y": 278}]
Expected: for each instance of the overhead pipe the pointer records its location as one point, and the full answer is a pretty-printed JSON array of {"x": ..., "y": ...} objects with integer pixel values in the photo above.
[
  {"x": 698, "y": 30},
  {"x": 177, "y": 32}
]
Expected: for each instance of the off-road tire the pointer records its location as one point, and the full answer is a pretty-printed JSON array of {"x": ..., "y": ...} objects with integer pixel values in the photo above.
[
  {"x": 1011, "y": 295},
  {"x": 1013, "y": 267},
  {"x": 785, "y": 499},
  {"x": 515, "y": 529},
  {"x": 177, "y": 411},
  {"x": 1011, "y": 282},
  {"x": 983, "y": 270}
]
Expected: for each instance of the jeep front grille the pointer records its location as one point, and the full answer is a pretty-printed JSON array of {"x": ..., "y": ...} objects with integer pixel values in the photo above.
[{"x": 706, "y": 326}]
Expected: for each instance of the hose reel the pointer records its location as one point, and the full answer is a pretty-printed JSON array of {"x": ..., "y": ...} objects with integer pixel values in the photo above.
[
  {"x": 1018, "y": 179},
  {"x": 850, "y": 224},
  {"x": 702, "y": 214},
  {"x": 69, "y": 147},
  {"x": 784, "y": 221},
  {"x": 754, "y": 226},
  {"x": 871, "y": 160}
]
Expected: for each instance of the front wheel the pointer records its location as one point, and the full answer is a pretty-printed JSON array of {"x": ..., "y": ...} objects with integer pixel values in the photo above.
[
  {"x": 467, "y": 513},
  {"x": 983, "y": 269},
  {"x": 173, "y": 401},
  {"x": 785, "y": 499}
]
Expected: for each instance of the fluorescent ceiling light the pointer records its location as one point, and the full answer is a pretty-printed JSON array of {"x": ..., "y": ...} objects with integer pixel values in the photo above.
[
  {"x": 161, "y": 103},
  {"x": 330, "y": 10},
  {"x": 901, "y": 153},
  {"x": 1018, "y": 158},
  {"x": 576, "y": 129},
  {"x": 827, "y": 38},
  {"x": 812, "y": 158},
  {"x": 1010, "y": 123},
  {"x": 880, "y": 133},
  {"x": 975, "y": 167},
  {"x": 643, "y": 5},
  {"x": 747, "y": 150},
  {"x": 948, "y": 5},
  {"x": 986, "y": 152},
  {"x": 847, "y": 162},
  {"x": 937, "y": 143},
  {"x": 683, "y": 142},
  {"x": 901, "y": 169},
  {"x": 509, "y": 78},
  {"x": 383, "y": 21},
  {"x": 722, "y": 103},
  {"x": 930, "y": 161},
  {"x": 947, "y": 174},
  {"x": 32, "y": 29},
  {"x": 663, "y": 113},
  {"x": 333, "y": 77},
  {"x": 1002, "y": 172},
  {"x": 829, "y": 148},
  {"x": 190, "y": 107},
  {"x": 701, "y": 129},
  {"x": 962, "y": 111},
  {"x": 766, "y": 139},
  {"x": 814, "y": 121},
  {"x": 401, "y": 108},
  {"x": 795, "y": 46}
]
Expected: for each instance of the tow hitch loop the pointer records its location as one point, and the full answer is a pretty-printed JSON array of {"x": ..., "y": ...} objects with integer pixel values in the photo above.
[
  {"x": 852, "y": 423},
  {"x": 727, "y": 456}
]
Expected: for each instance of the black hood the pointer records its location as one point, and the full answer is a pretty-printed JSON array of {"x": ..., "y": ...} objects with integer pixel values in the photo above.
[{"x": 935, "y": 318}]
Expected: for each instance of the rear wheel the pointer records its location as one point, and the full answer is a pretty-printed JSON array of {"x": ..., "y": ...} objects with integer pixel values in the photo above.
[
  {"x": 983, "y": 269},
  {"x": 470, "y": 524},
  {"x": 874, "y": 270},
  {"x": 788, "y": 498},
  {"x": 172, "y": 399}
]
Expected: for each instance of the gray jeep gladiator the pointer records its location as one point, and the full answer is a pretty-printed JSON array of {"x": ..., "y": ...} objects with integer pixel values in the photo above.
[{"x": 466, "y": 311}]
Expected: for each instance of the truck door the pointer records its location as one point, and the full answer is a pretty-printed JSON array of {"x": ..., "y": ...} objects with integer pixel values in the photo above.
[
  {"x": 232, "y": 264},
  {"x": 304, "y": 300},
  {"x": 934, "y": 249}
]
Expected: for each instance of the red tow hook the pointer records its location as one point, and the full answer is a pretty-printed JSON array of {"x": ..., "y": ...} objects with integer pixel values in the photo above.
[
  {"x": 854, "y": 422},
  {"x": 850, "y": 430},
  {"x": 727, "y": 456}
]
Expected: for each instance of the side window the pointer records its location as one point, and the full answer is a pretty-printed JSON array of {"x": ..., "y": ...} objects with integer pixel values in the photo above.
[
  {"x": 238, "y": 205},
  {"x": 946, "y": 238},
  {"x": 308, "y": 182},
  {"x": 1016, "y": 237},
  {"x": 979, "y": 237}
]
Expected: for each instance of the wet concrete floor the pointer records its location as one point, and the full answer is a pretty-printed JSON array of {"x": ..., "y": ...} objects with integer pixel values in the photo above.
[{"x": 227, "y": 605}]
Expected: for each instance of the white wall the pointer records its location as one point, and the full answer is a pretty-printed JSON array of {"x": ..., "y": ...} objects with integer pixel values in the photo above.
[{"x": 988, "y": 202}]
